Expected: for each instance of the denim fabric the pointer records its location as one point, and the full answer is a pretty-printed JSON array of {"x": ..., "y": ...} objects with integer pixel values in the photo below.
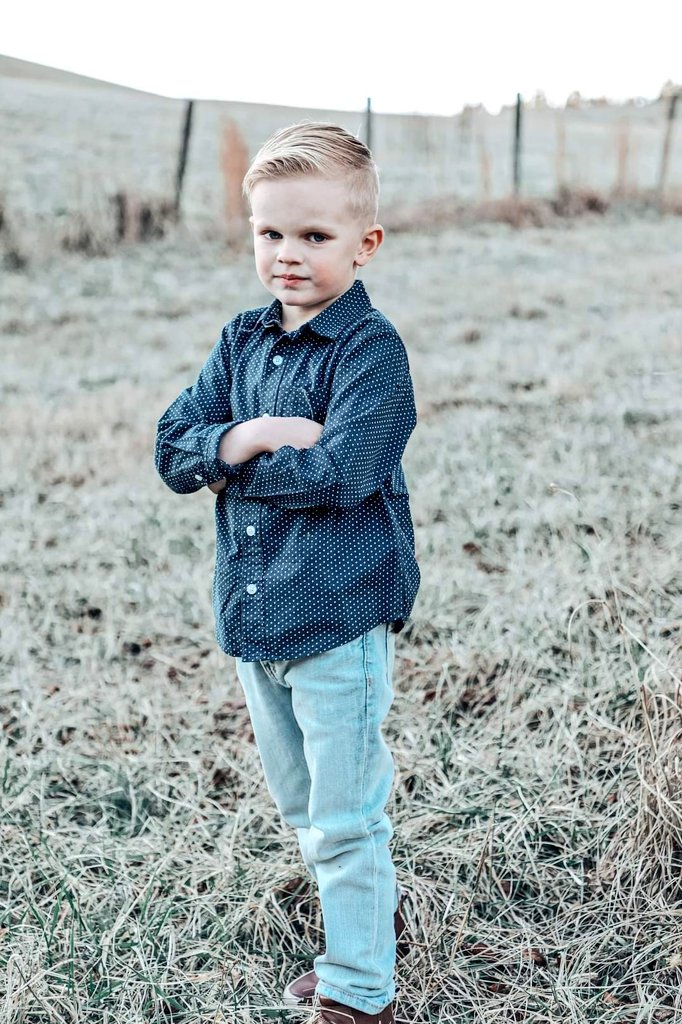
[
  {"x": 318, "y": 727},
  {"x": 315, "y": 546}
]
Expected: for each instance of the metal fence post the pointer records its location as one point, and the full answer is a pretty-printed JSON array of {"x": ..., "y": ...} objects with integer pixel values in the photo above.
[
  {"x": 182, "y": 157},
  {"x": 517, "y": 146}
]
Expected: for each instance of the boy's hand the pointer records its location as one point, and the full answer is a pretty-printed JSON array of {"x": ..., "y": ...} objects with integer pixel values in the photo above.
[
  {"x": 238, "y": 445},
  {"x": 265, "y": 434},
  {"x": 297, "y": 431}
]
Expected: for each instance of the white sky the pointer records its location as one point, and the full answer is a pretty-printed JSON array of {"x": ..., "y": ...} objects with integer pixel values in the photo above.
[{"x": 408, "y": 55}]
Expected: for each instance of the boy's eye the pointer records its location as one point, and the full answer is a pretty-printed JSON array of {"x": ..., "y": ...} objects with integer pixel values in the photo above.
[
  {"x": 272, "y": 235},
  {"x": 317, "y": 236}
]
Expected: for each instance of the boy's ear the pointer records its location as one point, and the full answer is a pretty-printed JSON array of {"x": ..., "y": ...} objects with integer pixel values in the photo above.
[{"x": 370, "y": 242}]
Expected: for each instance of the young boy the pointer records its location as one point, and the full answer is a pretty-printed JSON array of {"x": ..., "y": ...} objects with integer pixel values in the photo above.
[{"x": 298, "y": 421}]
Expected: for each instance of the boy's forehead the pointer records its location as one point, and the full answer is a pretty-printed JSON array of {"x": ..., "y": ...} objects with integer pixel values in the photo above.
[{"x": 310, "y": 195}]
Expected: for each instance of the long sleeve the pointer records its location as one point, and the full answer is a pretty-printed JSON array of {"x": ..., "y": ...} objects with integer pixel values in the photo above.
[
  {"x": 189, "y": 432},
  {"x": 370, "y": 416}
]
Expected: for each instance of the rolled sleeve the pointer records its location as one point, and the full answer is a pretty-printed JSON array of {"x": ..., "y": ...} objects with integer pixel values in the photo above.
[
  {"x": 189, "y": 432},
  {"x": 370, "y": 417}
]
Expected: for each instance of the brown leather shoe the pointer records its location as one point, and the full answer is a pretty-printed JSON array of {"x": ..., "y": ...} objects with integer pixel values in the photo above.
[
  {"x": 302, "y": 989},
  {"x": 337, "y": 1013}
]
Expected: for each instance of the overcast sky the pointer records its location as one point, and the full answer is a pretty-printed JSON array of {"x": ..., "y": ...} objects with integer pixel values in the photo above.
[{"x": 315, "y": 53}]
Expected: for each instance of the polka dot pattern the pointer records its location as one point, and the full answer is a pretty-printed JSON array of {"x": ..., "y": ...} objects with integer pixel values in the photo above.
[{"x": 315, "y": 546}]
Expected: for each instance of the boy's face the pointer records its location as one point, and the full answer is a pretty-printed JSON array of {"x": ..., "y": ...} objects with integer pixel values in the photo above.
[{"x": 308, "y": 243}]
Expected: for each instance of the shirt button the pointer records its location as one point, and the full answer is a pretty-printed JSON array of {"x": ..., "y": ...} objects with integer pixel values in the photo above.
[
  {"x": 250, "y": 530},
  {"x": 251, "y": 588},
  {"x": 266, "y": 414},
  {"x": 199, "y": 477},
  {"x": 277, "y": 360}
]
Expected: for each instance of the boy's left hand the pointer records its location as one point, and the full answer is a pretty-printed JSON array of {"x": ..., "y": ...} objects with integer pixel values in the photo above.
[{"x": 296, "y": 431}]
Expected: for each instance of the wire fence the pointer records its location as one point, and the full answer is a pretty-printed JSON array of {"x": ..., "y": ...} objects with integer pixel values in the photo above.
[{"x": 85, "y": 167}]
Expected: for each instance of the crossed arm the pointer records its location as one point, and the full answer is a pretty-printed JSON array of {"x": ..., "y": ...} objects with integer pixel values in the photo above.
[
  {"x": 291, "y": 462},
  {"x": 265, "y": 434}
]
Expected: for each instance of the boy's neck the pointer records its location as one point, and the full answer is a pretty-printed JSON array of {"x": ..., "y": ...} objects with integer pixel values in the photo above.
[{"x": 291, "y": 322}]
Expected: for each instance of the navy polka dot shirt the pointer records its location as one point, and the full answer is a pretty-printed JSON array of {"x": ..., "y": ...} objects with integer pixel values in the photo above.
[{"x": 314, "y": 545}]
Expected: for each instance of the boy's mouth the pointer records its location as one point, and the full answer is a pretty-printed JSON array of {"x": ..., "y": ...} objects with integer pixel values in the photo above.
[{"x": 290, "y": 277}]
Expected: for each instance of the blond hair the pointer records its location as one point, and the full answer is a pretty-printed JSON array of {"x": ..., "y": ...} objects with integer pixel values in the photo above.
[{"x": 319, "y": 147}]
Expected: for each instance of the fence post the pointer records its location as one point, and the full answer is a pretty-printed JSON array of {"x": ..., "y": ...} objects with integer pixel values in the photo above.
[
  {"x": 517, "y": 146},
  {"x": 484, "y": 162},
  {"x": 182, "y": 157},
  {"x": 560, "y": 154},
  {"x": 623, "y": 147},
  {"x": 368, "y": 124},
  {"x": 234, "y": 160},
  {"x": 665, "y": 156}
]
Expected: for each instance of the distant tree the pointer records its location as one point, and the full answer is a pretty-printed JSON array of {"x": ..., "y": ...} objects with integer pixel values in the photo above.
[
  {"x": 576, "y": 100},
  {"x": 471, "y": 108},
  {"x": 669, "y": 89}
]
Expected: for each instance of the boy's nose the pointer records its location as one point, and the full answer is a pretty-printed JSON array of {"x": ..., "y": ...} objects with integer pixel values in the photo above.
[{"x": 288, "y": 253}]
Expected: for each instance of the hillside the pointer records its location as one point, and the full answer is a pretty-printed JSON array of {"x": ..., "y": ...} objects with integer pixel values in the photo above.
[{"x": 14, "y": 67}]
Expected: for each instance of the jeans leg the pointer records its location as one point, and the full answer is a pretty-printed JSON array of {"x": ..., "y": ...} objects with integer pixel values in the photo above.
[
  {"x": 340, "y": 699},
  {"x": 280, "y": 745}
]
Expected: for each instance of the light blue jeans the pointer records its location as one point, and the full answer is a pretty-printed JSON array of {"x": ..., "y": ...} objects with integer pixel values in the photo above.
[{"x": 317, "y": 723}]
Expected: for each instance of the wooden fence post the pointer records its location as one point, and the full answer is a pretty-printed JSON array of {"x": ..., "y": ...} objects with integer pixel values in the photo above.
[
  {"x": 517, "y": 146},
  {"x": 484, "y": 163},
  {"x": 182, "y": 157},
  {"x": 234, "y": 161},
  {"x": 560, "y": 154},
  {"x": 665, "y": 156},
  {"x": 623, "y": 149}
]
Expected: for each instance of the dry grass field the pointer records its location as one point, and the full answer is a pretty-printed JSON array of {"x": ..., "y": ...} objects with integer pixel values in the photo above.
[{"x": 537, "y": 728}]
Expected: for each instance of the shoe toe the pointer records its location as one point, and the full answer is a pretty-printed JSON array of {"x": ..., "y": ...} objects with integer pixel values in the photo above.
[{"x": 300, "y": 990}]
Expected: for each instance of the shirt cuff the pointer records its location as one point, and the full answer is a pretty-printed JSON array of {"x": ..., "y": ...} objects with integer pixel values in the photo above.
[{"x": 215, "y": 468}]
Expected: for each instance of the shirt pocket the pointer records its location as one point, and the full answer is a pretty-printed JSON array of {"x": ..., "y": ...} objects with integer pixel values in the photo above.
[{"x": 298, "y": 402}]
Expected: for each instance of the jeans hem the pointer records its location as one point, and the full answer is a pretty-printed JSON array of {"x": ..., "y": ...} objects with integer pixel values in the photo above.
[{"x": 355, "y": 1002}]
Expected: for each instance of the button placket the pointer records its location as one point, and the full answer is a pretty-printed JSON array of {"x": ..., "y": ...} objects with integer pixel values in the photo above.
[
  {"x": 276, "y": 380},
  {"x": 252, "y": 576},
  {"x": 271, "y": 382}
]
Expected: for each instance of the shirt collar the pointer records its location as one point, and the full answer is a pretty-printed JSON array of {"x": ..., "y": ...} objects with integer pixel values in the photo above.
[{"x": 330, "y": 323}]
